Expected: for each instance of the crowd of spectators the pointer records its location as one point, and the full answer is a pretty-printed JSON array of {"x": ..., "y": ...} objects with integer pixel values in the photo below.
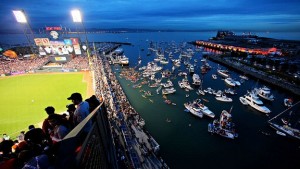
[
  {"x": 21, "y": 65},
  {"x": 38, "y": 147},
  {"x": 78, "y": 62}
]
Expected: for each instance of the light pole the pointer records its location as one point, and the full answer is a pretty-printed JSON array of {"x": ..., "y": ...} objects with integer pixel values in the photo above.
[
  {"x": 22, "y": 19},
  {"x": 77, "y": 18}
]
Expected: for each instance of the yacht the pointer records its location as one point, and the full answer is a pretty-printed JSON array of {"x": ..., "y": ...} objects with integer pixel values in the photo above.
[
  {"x": 192, "y": 108},
  {"x": 124, "y": 60},
  {"x": 196, "y": 79},
  {"x": 252, "y": 99},
  {"x": 265, "y": 93},
  {"x": 223, "y": 73},
  {"x": 191, "y": 69},
  {"x": 168, "y": 90},
  {"x": 230, "y": 82},
  {"x": 244, "y": 77},
  {"x": 164, "y": 61},
  {"x": 214, "y": 76},
  {"x": 204, "y": 109},
  {"x": 184, "y": 83},
  {"x": 224, "y": 98}
]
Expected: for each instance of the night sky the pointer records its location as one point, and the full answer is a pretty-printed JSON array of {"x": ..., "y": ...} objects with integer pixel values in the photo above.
[{"x": 244, "y": 15}]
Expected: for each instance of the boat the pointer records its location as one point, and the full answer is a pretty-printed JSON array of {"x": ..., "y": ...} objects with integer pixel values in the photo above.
[
  {"x": 196, "y": 79},
  {"x": 124, "y": 60},
  {"x": 265, "y": 93},
  {"x": 230, "y": 91},
  {"x": 192, "y": 108},
  {"x": 252, "y": 100},
  {"x": 237, "y": 83},
  {"x": 224, "y": 98},
  {"x": 288, "y": 102},
  {"x": 244, "y": 77},
  {"x": 230, "y": 82},
  {"x": 168, "y": 101},
  {"x": 280, "y": 133},
  {"x": 168, "y": 120},
  {"x": 224, "y": 126},
  {"x": 200, "y": 92},
  {"x": 184, "y": 83},
  {"x": 243, "y": 100},
  {"x": 164, "y": 61},
  {"x": 168, "y": 90},
  {"x": 214, "y": 76},
  {"x": 223, "y": 73},
  {"x": 204, "y": 109},
  {"x": 293, "y": 132},
  {"x": 191, "y": 69}
]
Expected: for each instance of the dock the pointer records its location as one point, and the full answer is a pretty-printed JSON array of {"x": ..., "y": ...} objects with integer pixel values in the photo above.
[{"x": 263, "y": 76}]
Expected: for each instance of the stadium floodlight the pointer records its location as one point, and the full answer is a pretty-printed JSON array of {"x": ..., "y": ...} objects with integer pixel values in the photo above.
[
  {"x": 20, "y": 16},
  {"x": 76, "y": 15},
  {"x": 77, "y": 18},
  {"x": 22, "y": 19}
]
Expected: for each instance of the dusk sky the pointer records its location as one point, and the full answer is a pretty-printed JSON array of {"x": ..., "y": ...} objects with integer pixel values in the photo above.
[{"x": 246, "y": 15}]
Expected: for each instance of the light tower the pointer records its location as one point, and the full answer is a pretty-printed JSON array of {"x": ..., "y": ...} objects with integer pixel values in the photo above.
[
  {"x": 77, "y": 18},
  {"x": 22, "y": 19}
]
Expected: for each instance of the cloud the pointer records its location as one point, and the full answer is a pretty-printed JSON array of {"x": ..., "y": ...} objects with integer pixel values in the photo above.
[{"x": 197, "y": 14}]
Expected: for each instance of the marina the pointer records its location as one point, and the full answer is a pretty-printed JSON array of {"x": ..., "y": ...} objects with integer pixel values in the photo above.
[{"x": 189, "y": 126}]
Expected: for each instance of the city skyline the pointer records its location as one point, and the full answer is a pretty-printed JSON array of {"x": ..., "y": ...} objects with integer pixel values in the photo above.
[{"x": 265, "y": 15}]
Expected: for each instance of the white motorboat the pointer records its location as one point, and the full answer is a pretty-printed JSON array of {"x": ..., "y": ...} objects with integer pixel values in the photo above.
[
  {"x": 230, "y": 91},
  {"x": 230, "y": 82},
  {"x": 168, "y": 90},
  {"x": 191, "y": 107},
  {"x": 252, "y": 99},
  {"x": 201, "y": 92},
  {"x": 124, "y": 60},
  {"x": 265, "y": 93},
  {"x": 244, "y": 77},
  {"x": 204, "y": 109},
  {"x": 223, "y": 73},
  {"x": 184, "y": 83},
  {"x": 196, "y": 79},
  {"x": 164, "y": 61},
  {"x": 224, "y": 98},
  {"x": 191, "y": 69},
  {"x": 243, "y": 100},
  {"x": 237, "y": 83}
]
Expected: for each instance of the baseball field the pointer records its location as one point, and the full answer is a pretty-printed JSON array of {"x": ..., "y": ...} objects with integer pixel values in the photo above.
[{"x": 23, "y": 98}]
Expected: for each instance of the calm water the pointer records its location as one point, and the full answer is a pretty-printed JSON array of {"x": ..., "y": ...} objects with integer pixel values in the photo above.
[{"x": 184, "y": 146}]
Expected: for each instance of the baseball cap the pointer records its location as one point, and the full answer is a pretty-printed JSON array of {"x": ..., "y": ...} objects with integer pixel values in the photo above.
[{"x": 75, "y": 96}]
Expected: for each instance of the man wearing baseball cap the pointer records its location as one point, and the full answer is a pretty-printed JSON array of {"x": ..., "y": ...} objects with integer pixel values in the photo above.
[{"x": 81, "y": 112}]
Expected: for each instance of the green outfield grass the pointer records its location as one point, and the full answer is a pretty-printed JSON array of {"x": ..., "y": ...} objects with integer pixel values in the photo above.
[{"x": 24, "y": 98}]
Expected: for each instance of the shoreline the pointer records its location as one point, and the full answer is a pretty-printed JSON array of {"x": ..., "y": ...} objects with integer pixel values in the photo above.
[{"x": 258, "y": 74}]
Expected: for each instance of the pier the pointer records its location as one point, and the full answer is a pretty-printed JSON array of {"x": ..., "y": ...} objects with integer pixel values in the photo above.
[
  {"x": 271, "y": 79},
  {"x": 133, "y": 143}
]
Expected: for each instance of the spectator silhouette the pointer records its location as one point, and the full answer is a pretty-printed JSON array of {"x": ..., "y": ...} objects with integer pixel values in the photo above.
[
  {"x": 60, "y": 129},
  {"x": 82, "y": 110}
]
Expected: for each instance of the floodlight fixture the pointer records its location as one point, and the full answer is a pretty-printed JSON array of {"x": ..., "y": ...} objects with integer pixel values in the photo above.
[
  {"x": 20, "y": 16},
  {"x": 76, "y": 15}
]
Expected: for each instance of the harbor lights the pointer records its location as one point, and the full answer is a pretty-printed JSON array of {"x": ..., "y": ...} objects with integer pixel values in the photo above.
[
  {"x": 22, "y": 19},
  {"x": 77, "y": 18}
]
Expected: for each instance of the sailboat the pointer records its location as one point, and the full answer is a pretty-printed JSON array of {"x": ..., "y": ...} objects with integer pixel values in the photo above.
[{"x": 224, "y": 126}]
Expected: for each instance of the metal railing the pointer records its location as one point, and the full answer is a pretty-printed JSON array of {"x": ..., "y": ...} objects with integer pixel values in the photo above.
[{"x": 92, "y": 150}]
